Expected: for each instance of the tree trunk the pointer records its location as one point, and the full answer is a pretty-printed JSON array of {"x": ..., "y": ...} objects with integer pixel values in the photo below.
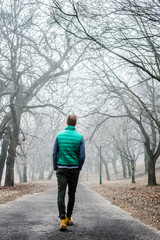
[
  {"x": 151, "y": 172},
  {"x": 25, "y": 173},
  {"x": 114, "y": 168},
  {"x": 129, "y": 169},
  {"x": 9, "y": 180},
  {"x": 3, "y": 155},
  {"x": 133, "y": 171},
  {"x": 106, "y": 168},
  {"x": 145, "y": 160},
  {"x": 123, "y": 167},
  {"x": 33, "y": 174}
]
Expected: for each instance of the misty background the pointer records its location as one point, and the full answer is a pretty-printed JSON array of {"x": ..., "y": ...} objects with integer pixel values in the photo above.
[{"x": 95, "y": 58}]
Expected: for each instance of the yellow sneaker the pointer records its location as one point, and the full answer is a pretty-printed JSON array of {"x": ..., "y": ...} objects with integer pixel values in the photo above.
[
  {"x": 63, "y": 225},
  {"x": 69, "y": 221}
]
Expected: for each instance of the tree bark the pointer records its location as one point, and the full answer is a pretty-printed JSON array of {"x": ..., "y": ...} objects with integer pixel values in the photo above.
[
  {"x": 25, "y": 173},
  {"x": 151, "y": 164},
  {"x": 33, "y": 175},
  {"x": 9, "y": 180},
  {"x": 3, "y": 155},
  {"x": 123, "y": 167},
  {"x": 106, "y": 168},
  {"x": 133, "y": 171},
  {"x": 115, "y": 168},
  {"x": 151, "y": 173},
  {"x": 145, "y": 160},
  {"x": 129, "y": 169}
]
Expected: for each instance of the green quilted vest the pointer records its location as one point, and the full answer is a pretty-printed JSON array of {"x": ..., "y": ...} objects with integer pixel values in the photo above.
[{"x": 69, "y": 143}]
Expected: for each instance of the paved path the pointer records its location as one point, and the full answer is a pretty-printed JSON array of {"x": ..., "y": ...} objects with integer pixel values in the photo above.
[{"x": 35, "y": 217}]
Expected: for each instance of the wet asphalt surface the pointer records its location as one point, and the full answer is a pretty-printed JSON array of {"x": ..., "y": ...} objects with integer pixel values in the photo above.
[{"x": 35, "y": 217}]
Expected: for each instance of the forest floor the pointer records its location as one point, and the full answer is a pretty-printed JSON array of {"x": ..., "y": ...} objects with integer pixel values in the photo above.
[
  {"x": 8, "y": 194},
  {"x": 141, "y": 201}
]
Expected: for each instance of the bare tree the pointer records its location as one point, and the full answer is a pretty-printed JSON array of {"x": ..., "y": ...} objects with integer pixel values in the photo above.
[
  {"x": 140, "y": 106},
  {"x": 123, "y": 32},
  {"x": 31, "y": 60}
]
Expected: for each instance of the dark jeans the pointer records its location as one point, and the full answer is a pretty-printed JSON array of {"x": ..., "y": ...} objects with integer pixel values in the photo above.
[{"x": 66, "y": 177}]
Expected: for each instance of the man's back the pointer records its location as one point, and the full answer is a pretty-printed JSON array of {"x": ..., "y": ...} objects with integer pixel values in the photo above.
[{"x": 69, "y": 142}]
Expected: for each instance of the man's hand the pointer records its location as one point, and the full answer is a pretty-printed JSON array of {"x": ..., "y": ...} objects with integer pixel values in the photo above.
[{"x": 55, "y": 171}]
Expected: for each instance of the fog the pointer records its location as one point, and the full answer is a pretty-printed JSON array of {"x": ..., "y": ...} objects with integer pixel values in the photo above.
[{"x": 100, "y": 61}]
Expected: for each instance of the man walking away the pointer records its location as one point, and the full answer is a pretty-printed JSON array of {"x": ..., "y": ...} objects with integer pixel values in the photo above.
[{"x": 68, "y": 159}]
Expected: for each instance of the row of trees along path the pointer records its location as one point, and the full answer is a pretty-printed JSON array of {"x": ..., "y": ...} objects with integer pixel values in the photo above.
[{"x": 42, "y": 44}]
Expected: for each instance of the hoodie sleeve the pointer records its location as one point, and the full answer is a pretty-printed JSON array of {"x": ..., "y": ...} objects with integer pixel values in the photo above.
[
  {"x": 82, "y": 153},
  {"x": 55, "y": 154}
]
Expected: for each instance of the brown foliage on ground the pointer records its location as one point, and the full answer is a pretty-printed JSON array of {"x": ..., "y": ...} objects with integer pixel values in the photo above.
[
  {"x": 141, "y": 201},
  {"x": 8, "y": 194}
]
